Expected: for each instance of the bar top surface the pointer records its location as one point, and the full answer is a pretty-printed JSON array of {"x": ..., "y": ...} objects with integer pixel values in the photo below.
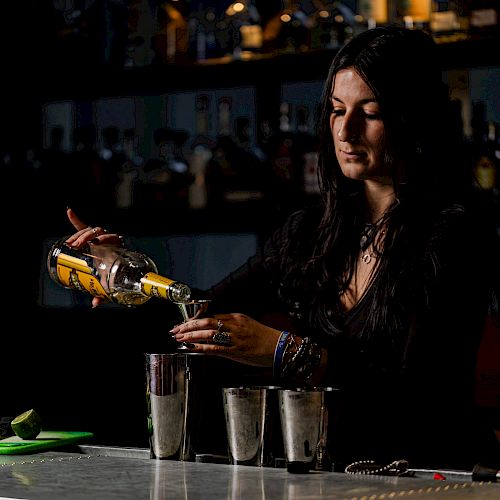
[{"x": 111, "y": 473}]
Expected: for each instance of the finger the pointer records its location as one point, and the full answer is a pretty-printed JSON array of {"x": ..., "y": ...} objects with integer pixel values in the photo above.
[
  {"x": 196, "y": 324},
  {"x": 95, "y": 234},
  {"x": 195, "y": 336},
  {"x": 219, "y": 350},
  {"x": 81, "y": 237},
  {"x": 111, "y": 239},
  {"x": 96, "y": 302},
  {"x": 75, "y": 220}
]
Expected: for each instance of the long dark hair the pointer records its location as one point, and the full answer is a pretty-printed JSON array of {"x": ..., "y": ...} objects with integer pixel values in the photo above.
[{"x": 402, "y": 69}]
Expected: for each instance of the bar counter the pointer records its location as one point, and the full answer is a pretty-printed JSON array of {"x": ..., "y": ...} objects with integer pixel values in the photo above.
[{"x": 102, "y": 473}]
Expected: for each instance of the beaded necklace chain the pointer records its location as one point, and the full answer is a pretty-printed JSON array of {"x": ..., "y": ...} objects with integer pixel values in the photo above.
[
  {"x": 370, "y": 230},
  {"x": 368, "y": 235},
  {"x": 395, "y": 468}
]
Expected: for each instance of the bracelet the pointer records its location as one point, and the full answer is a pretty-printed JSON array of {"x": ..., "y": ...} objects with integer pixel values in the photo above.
[
  {"x": 279, "y": 351},
  {"x": 302, "y": 364}
]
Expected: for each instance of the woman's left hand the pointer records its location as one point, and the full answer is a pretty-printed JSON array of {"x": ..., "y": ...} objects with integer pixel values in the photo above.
[{"x": 235, "y": 336}]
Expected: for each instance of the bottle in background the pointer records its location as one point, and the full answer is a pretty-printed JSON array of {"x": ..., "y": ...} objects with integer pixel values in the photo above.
[
  {"x": 170, "y": 42},
  {"x": 287, "y": 31},
  {"x": 486, "y": 162},
  {"x": 375, "y": 12},
  {"x": 484, "y": 17},
  {"x": 243, "y": 22},
  {"x": 413, "y": 14},
  {"x": 449, "y": 21}
]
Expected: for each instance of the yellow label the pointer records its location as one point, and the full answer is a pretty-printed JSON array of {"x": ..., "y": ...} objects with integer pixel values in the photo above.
[
  {"x": 78, "y": 276},
  {"x": 64, "y": 259},
  {"x": 155, "y": 285}
]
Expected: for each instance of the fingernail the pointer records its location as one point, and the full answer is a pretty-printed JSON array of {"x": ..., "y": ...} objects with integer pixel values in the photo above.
[{"x": 174, "y": 330}]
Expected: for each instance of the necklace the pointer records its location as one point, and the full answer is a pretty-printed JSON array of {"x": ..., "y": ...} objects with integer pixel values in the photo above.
[
  {"x": 368, "y": 235},
  {"x": 367, "y": 257}
]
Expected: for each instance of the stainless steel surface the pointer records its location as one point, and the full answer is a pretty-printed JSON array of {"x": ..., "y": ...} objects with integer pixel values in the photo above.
[{"x": 102, "y": 475}]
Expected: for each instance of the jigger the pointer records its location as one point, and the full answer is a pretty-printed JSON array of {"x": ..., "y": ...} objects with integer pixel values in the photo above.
[{"x": 191, "y": 310}]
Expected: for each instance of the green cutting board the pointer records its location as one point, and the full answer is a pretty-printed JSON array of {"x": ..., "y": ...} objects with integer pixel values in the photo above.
[{"x": 46, "y": 440}]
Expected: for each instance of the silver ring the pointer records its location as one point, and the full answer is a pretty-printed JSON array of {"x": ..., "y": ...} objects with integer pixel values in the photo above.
[
  {"x": 221, "y": 338},
  {"x": 94, "y": 230},
  {"x": 220, "y": 325}
]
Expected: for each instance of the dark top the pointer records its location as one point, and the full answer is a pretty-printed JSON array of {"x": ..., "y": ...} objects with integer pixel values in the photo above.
[{"x": 409, "y": 397}]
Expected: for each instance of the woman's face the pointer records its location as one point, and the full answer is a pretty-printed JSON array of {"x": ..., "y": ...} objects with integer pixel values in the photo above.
[{"x": 357, "y": 129}]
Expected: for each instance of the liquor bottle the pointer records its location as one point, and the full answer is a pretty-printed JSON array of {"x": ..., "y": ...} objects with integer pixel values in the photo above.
[
  {"x": 287, "y": 31},
  {"x": 485, "y": 167},
  {"x": 484, "y": 17},
  {"x": 113, "y": 273},
  {"x": 243, "y": 21},
  {"x": 413, "y": 13},
  {"x": 449, "y": 21},
  {"x": 374, "y": 11}
]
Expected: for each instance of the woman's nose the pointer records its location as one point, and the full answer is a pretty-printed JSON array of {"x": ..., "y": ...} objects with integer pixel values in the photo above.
[{"x": 347, "y": 131}]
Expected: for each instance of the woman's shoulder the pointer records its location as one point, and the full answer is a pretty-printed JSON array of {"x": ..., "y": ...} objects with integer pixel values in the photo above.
[
  {"x": 459, "y": 223},
  {"x": 303, "y": 221},
  {"x": 295, "y": 235}
]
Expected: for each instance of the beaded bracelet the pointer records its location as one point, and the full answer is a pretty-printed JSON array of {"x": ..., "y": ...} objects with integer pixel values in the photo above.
[
  {"x": 304, "y": 361},
  {"x": 395, "y": 468}
]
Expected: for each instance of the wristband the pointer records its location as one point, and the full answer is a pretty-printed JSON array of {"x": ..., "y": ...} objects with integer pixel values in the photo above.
[{"x": 279, "y": 351}]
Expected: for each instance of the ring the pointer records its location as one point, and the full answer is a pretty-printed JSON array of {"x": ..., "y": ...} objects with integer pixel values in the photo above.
[
  {"x": 220, "y": 325},
  {"x": 94, "y": 230},
  {"x": 221, "y": 338}
]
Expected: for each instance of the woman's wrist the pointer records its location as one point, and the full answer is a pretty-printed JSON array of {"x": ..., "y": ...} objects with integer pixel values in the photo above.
[{"x": 299, "y": 360}]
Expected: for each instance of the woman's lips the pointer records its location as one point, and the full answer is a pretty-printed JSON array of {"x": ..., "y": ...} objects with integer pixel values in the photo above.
[{"x": 351, "y": 155}]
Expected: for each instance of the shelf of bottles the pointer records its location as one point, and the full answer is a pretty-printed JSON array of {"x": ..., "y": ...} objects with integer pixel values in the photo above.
[
  {"x": 145, "y": 33},
  {"x": 214, "y": 116}
]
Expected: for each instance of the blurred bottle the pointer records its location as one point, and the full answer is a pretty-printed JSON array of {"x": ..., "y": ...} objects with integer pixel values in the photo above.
[
  {"x": 201, "y": 154},
  {"x": 170, "y": 42},
  {"x": 288, "y": 30},
  {"x": 340, "y": 19},
  {"x": 449, "y": 21},
  {"x": 486, "y": 161},
  {"x": 112, "y": 273},
  {"x": 140, "y": 24},
  {"x": 375, "y": 12},
  {"x": 202, "y": 29},
  {"x": 484, "y": 17},
  {"x": 127, "y": 176},
  {"x": 307, "y": 152},
  {"x": 243, "y": 21},
  {"x": 413, "y": 14}
]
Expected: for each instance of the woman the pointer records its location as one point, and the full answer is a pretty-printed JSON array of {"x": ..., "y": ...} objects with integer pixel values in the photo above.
[{"x": 383, "y": 287}]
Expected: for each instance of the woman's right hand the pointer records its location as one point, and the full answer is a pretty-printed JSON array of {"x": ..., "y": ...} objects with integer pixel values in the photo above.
[{"x": 85, "y": 234}]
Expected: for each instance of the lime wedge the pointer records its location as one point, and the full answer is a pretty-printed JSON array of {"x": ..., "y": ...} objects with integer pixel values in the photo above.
[{"x": 27, "y": 425}]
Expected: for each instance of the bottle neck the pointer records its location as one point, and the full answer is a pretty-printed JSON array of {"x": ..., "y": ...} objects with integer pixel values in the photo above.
[{"x": 155, "y": 285}]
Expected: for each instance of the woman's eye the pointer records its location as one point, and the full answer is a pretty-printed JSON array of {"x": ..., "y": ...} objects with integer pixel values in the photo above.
[
  {"x": 338, "y": 111},
  {"x": 372, "y": 116}
]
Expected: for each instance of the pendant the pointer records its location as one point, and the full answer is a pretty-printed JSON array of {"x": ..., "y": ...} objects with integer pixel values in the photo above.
[
  {"x": 363, "y": 242},
  {"x": 366, "y": 258}
]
